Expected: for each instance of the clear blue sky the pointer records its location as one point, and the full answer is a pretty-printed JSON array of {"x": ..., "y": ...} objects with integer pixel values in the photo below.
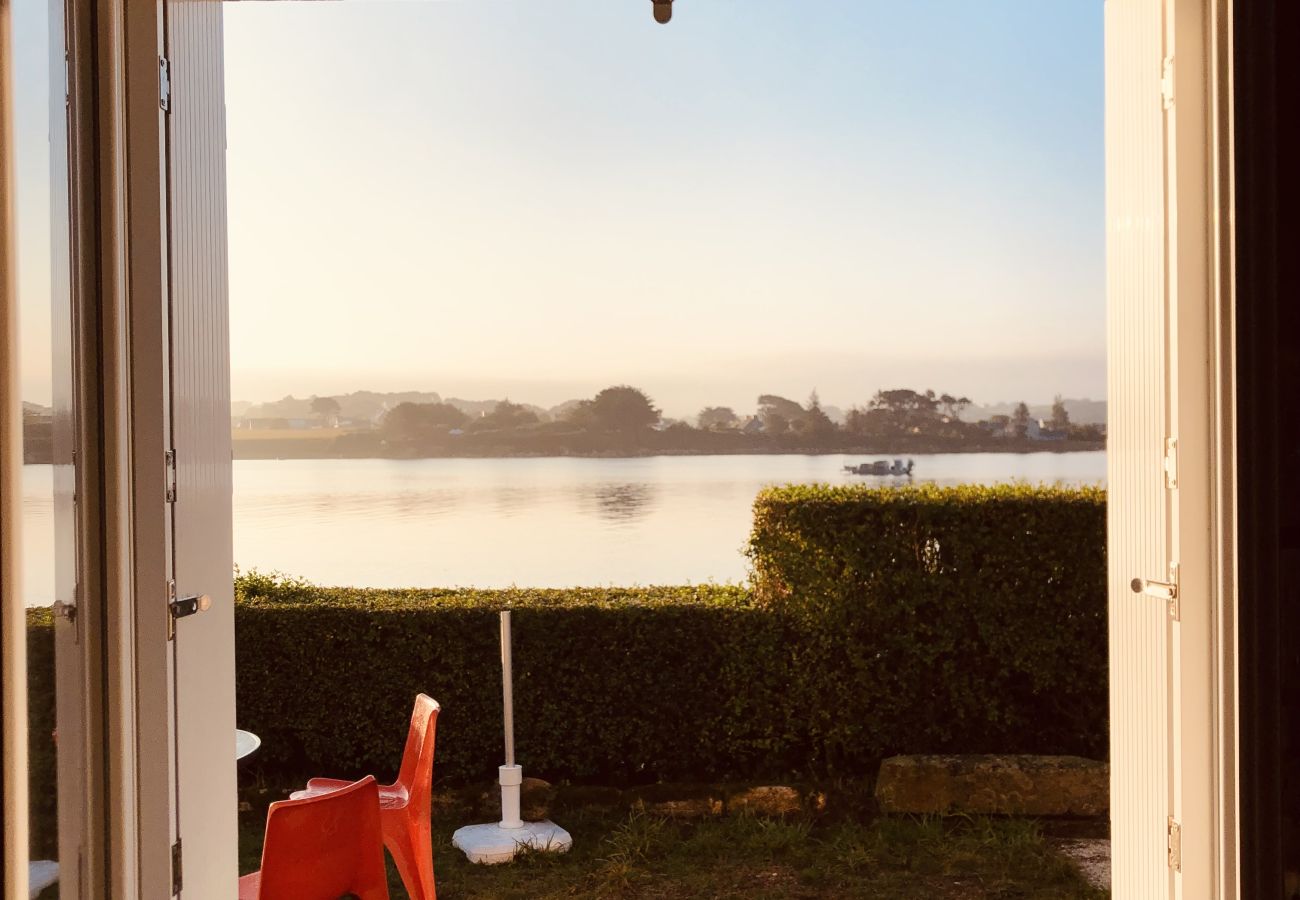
[{"x": 491, "y": 197}]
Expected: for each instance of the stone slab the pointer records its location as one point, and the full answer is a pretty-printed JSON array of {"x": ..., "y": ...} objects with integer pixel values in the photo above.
[
  {"x": 678, "y": 801},
  {"x": 776, "y": 800},
  {"x": 994, "y": 785}
]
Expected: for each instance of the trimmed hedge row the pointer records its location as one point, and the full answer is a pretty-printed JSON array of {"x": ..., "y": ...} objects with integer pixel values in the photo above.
[
  {"x": 42, "y": 765},
  {"x": 880, "y": 621},
  {"x": 969, "y": 619},
  {"x": 621, "y": 684}
]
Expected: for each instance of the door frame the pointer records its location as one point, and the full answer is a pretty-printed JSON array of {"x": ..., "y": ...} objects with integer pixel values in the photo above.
[
  {"x": 119, "y": 279},
  {"x": 119, "y": 178},
  {"x": 138, "y": 338},
  {"x": 1221, "y": 734},
  {"x": 141, "y": 804},
  {"x": 119, "y": 823},
  {"x": 1168, "y": 58},
  {"x": 1199, "y": 251},
  {"x": 13, "y": 622},
  {"x": 1199, "y": 258}
]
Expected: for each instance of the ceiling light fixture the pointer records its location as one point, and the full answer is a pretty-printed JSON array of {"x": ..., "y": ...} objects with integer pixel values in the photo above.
[{"x": 663, "y": 11}]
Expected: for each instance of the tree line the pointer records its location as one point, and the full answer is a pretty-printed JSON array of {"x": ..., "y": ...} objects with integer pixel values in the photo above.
[{"x": 626, "y": 416}]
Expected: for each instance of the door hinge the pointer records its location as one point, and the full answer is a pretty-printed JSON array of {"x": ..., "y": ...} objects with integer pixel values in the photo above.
[
  {"x": 171, "y": 606},
  {"x": 169, "y": 459},
  {"x": 1175, "y": 834},
  {"x": 1167, "y": 82},
  {"x": 1175, "y": 599},
  {"x": 177, "y": 881},
  {"x": 1171, "y": 463},
  {"x": 164, "y": 84}
]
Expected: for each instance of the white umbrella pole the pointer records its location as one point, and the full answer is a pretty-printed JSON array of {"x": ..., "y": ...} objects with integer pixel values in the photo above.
[
  {"x": 496, "y": 842},
  {"x": 511, "y": 775}
]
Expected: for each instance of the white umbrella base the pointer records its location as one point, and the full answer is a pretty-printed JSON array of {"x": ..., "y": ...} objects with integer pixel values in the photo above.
[{"x": 490, "y": 844}]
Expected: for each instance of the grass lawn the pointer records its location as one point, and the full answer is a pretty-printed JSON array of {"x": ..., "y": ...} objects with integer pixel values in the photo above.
[{"x": 633, "y": 855}]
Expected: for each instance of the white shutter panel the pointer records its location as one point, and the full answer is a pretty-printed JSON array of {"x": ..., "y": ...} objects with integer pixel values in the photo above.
[
  {"x": 1139, "y": 405},
  {"x": 200, "y": 387}
]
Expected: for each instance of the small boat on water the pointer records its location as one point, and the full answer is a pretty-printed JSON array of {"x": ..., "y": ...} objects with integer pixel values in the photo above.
[{"x": 882, "y": 467}]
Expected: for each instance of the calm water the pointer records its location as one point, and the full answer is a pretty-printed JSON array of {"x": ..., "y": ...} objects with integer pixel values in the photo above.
[{"x": 528, "y": 522}]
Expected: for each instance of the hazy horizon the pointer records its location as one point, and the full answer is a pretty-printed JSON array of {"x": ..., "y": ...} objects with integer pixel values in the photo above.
[
  {"x": 741, "y": 409},
  {"x": 497, "y": 198}
]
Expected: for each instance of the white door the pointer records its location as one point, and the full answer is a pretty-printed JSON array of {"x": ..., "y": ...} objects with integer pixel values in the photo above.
[
  {"x": 199, "y": 379},
  {"x": 1139, "y": 519},
  {"x": 1164, "y": 824}
]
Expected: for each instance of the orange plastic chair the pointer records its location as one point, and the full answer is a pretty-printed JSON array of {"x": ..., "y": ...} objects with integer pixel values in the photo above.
[
  {"x": 322, "y": 848},
  {"x": 405, "y": 805}
]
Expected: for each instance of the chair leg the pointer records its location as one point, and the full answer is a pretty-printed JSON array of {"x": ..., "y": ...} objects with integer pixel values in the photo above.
[{"x": 413, "y": 855}]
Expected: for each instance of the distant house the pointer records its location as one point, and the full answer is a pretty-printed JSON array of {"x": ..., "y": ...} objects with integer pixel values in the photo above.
[
  {"x": 259, "y": 423},
  {"x": 1035, "y": 429},
  {"x": 38, "y": 433},
  {"x": 753, "y": 425},
  {"x": 1044, "y": 432},
  {"x": 998, "y": 426}
]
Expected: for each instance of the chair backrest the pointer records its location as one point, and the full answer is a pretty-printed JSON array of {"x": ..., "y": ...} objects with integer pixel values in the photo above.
[
  {"x": 416, "y": 774},
  {"x": 325, "y": 847}
]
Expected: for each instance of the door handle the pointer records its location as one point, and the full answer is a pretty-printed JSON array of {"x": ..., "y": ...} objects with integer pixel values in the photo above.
[
  {"x": 1161, "y": 590},
  {"x": 1164, "y": 591},
  {"x": 188, "y": 606}
]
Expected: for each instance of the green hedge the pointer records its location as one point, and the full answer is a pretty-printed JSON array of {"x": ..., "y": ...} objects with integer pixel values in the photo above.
[
  {"x": 41, "y": 761},
  {"x": 881, "y": 621},
  {"x": 618, "y": 684},
  {"x": 969, "y": 619}
]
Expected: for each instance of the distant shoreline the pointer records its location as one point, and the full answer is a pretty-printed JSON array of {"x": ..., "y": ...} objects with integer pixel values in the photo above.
[
  {"x": 286, "y": 450},
  {"x": 334, "y": 444},
  {"x": 1055, "y": 447}
]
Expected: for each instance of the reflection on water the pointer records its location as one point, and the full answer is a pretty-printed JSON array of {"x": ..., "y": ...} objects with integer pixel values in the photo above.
[
  {"x": 618, "y": 503},
  {"x": 531, "y": 522},
  {"x": 38, "y": 535}
]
